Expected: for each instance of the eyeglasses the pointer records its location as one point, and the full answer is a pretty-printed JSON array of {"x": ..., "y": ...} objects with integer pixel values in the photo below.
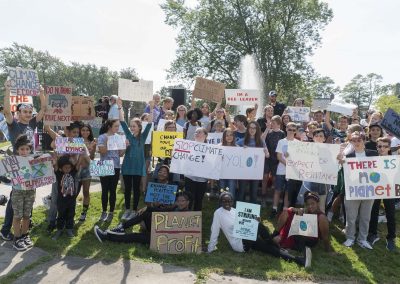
[
  {"x": 291, "y": 130},
  {"x": 198, "y": 132},
  {"x": 181, "y": 110},
  {"x": 252, "y": 127},
  {"x": 382, "y": 146}
]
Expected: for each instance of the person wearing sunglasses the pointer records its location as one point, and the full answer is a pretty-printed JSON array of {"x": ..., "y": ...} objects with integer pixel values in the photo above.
[{"x": 383, "y": 146}]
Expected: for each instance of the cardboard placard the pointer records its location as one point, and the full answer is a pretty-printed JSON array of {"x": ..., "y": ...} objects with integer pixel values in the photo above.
[
  {"x": 101, "y": 168},
  {"x": 239, "y": 97},
  {"x": 65, "y": 145},
  {"x": 161, "y": 193},
  {"x": 58, "y": 111},
  {"x": 141, "y": 91},
  {"x": 116, "y": 142},
  {"x": 214, "y": 138},
  {"x": 320, "y": 104},
  {"x": 305, "y": 225},
  {"x": 299, "y": 114},
  {"x": 163, "y": 143},
  {"x": 82, "y": 108},
  {"x": 246, "y": 223},
  {"x": 391, "y": 122},
  {"x": 24, "y": 82},
  {"x": 208, "y": 90},
  {"x": 16, "y": 100},
  {"x": 176, "y": 232}
]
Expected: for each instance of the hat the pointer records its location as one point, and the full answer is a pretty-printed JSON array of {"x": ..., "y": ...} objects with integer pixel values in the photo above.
[
  {"x": 375, "y": 125},
  {"x": 272, "y": 93},
  {"x": 114, "y": 97}
]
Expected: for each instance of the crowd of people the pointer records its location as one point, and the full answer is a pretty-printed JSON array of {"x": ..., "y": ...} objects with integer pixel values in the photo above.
[{"x": 357, "y": 137}]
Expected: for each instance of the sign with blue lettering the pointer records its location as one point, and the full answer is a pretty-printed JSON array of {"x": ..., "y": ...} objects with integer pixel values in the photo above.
[
  {"x": 246, "y": 220},
  {"x": 161, "y": 193},
  {"x": 391, "y": 122},
  {"x": 24, "y": 82},
  {"x": 242, "y": 163}
]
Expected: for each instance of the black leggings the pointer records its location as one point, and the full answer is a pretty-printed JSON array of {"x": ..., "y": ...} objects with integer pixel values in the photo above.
[
  {"x": 109, "y": 187},
  {"x": 390, "y": 216},
  {"x": 197, "y": 189},
  {"x": 142, "y": 238},
  {"x": 132, "y": 183}
]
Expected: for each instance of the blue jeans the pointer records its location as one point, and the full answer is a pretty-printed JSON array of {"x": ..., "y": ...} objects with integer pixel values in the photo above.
[
  {"x": 231, "y": 184},
  {"x": 253, "y": 190},
  {"x": 8, "y": 219}
]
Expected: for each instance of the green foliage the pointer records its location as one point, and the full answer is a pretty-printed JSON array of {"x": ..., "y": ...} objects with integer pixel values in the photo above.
[{"x": 388, "y": 101}]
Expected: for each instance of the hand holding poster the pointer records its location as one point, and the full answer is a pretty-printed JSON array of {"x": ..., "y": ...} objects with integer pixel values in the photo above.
[
  {"x": 24, "y": 82},
  {"x": 314, "y": 162},
  {"x": 82, "y": 108},
  {"x": 391, "y": 122},
  {"x": 148, "y": 139},
  {"x": 209, "y": 90},
  {"x": 305, "y": 225},
  {"x": 214, "y": 138},
  {"x": 163, "y": 143},
  {"x": 176, "y": 232},
  {"x": 196, "y": 159},
  {"x": 299, "y": 114},
  {"x": 58, "y": 110},
  {"x": 246, "y": 221},
  {"x": 65, "y": 145},
  {"x": 340, "y": 106},
  {"x": 237, "y": 97},
  {"x": 116, "y": 142},
  {"x": 372, "y": 177},
  {"x": 161, "y": 193},
  {"x": 141, "y": 91},
  {"x": 101, "y": 168},
  {"x": 242, "y": 163}
]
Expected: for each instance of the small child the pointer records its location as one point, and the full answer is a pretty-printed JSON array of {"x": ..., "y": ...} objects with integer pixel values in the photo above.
[{"x": 66, "y": 199}]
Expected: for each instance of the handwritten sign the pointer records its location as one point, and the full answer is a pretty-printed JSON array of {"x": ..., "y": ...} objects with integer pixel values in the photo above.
[
  {"x": 372, "y": 177},
  {"x": 209, "y": 90},
  {"x": 161, "y": 193},
  {"x": 16, "y": 100},
  {"x": 82, "y": 108},
  {"x": 391, "y": 122},
  {"x": 141, "y": 91},
  {"x": 95, "y": 123},
  {"x": 58, "y": 111},
  {"x": 101, "y": 168},
  {"x": 196, "y": 159},
  {"x": 176, "y": 232},
  {"x": 238, "y": 97},
  {"x": 299, "y": 114},
  {"x": 161, "y": 126},
  {"x": 315, "y": 162},
  {"x": 305, "y": 225},
  {"x": 340, "y": 106},
  {"x": 320, "y": 104},
  {"x": 214, "y": 138},
  {"x": 242, "y": 163},
  {"x": 116, "y": 142},
  {"x": 65, "y": 145},
  {"x": 163, "y": 143},
  {"x": 24, "y": 82},
  {"x": 246, "y": 223}
]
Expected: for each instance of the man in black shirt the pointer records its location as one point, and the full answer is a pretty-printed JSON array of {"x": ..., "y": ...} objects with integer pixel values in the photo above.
[{"x": 279, "y": 108}]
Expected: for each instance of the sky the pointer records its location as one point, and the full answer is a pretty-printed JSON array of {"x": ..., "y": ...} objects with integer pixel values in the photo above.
[{"x": 363, "y": 37}]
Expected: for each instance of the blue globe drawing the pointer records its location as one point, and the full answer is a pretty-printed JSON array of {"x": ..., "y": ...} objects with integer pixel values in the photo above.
[
  {"x": 375, "y": 177},
  {"x": 303, "y": 226}
]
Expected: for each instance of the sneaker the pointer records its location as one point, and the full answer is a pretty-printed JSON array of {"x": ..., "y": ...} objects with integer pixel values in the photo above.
[
  {"x": 28, "y": 242},
  {"x": 100, "y": 235},
  {"x": 372, "y": 239},
  {"x": 19, "y": 244},
  {"x": 126, "y": 214},
  {"x": 7, "y": 237},
  {"x": 119, "y": 230},
  {"x": 109, "y": 218},
  {"x": 57, "y": 235},
  {"x": 364, "y": 244},
  {"x": 308, "y": 257},
  {"x": 82, "y": 218},
  {"x": 103, "y": 217},
  {"x": 329, "y": 216},
  {"x": 390, "y": 245},
  {"x": 132, "y": 215},
  {"x": 70, "y": 233},
  {"x": 348, "y": 243}
]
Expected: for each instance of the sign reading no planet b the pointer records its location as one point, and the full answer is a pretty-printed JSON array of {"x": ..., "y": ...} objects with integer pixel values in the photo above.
[
  {"x": 246, "y": 223},
  {"x": 305, "y": 225},
  {"x": 242, "y": 163},
  {"x": 58, "y": 111},
  {"x": 24, "y": 82},
  {"x": 163, "y": 142},
  {"x": 391, "y": 122},
  {"x": 176, "y": 232},
  {"x": 372, "y": 177},
  {"x": 161, "y": 193},
  {"x": 65, "y": 145},
  {"x": 237, "y": 97},
  {"x": 101, "y": 168}
]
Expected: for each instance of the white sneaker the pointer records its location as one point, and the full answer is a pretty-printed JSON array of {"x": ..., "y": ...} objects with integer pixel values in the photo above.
[
  {"x": 329, "y": 216},
  {"x": 364, "y": 244},
  {"x": 348, "y": 243},
  {"x": 126, "y": 214}
]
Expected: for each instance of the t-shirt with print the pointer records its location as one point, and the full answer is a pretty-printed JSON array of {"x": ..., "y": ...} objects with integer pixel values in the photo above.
[
  {"x": 239, "y": 136},
  {"x": 271, "y": 141},
  {"x": 282, "y": 148},
  {"x": 16, "y": 128},
  {"x": 111, "y": 154}
]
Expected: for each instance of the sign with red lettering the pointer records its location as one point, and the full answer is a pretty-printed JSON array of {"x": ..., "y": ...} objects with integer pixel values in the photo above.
[
  {"x": 15, "y": 100},
  {"x": 82, "y": 108},
  {"x": 237, "y": 97},
  {"x": 372, "y": 177},
  {"x": 58, "y": 111},
  {"x": 24, "y": 82}
]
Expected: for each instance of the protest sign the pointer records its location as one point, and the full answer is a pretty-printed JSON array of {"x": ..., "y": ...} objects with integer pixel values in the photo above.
[
  {"x": 299, "y": 114},
  {"x": 148, "y": 139},
  {"x": 161, "y": 193},
  {"x": 242, "y": 163},
  {"x": 176, "y": 232},
  {"x": 372, "y": 177},
  {"x": 238, "y": 97},
  {"x": 141, "y": 91},
  {"x": 214, "y": 138},
  {"x": 391, "y": 122},
  {"x": 340, "y": 106},
  {"x": 196, "y": 159},
  {"x": 27, "y": 172},
  {"x": 208, "y": 90},
  {"x": 4, "y": 129},
  {"x": 305, "y": 225},
  {"x": 65, "y": 145},
  {"x": 16, "y": 100},
  {"x": 320, "y": 104},
  {"x": 246, "y": 223},
  {"x": 161, "y": 126},
  {"x": 314, "y": 162},
  {"x": 95, "y": 124},
  {"x": 58, "y": 110},
  {"x": 101, "y": 168},
  {"x": 163, "y": 142},
  {"x": 116, "y": 142},
  {"x": 82, "y": 108},
  {"x": 24, "y": 82}
]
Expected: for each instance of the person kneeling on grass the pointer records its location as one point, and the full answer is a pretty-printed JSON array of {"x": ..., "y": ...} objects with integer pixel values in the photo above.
[
  {"x": 144, "y": 215},
  {"x": 281, "y": 237},
  {"x": 224, "y": 218}
]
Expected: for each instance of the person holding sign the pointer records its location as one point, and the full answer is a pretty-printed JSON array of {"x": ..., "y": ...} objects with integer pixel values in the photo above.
[{"x": 228, "y": 139}]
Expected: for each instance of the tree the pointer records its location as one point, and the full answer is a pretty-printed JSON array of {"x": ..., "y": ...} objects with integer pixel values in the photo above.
[
  {"x": 388, "y": 101},
  {"x": 323, "y": 88},
  {"x": 215, "y": 35}
]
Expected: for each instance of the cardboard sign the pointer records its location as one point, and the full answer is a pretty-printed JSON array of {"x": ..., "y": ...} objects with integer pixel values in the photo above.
[
  {"x": 141, "y": 91},
  {"x": 24, "y": 82},
  {"x": 176, "y": 232},
  {"x": 242, "y": 163},
  {"x": 214, "y": 138},
  {"x": 299, "y": 114},
  {"x": 305, "y": 225},
  {"x": 163, "y": 143},
  {"x": 314, "y": 162},
  {"x": 101, "y": 168},
  {"x": 391, "y": 122},
  {"x": 161, "y": 126},
  {"x": 161, "y": 193},
  {"x": 340, "y": 106},
  {"x": 320, "y": 104},
  {"x": 27, "y": 172},
  {"x": 116, "y": 142},
  {"x": 82, "y": 108},
  {"x": 65, "y": 145},
  {"x": 246, "y": 223},
  {"x": 372, "y": 177},
  {"x": 16, "y": 100},
  {"x": 196, "y": 159},
  {"x": 148, "y": 139},
  {"x": 238, "y": 97},
  {"x": 58, "y": 111},
  {"x": 208, "y": 90}
]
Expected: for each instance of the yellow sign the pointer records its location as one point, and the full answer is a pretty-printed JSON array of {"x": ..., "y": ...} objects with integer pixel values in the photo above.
[{"x": 163, "y": 142}]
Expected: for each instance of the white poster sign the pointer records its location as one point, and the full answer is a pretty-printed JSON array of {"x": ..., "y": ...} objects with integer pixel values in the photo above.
[
  {"x": 141, "y": 91},
  {"x": 161, "y": 124},
  {"x": 214, "y": 138},
  {"x": 116, "y": 142},
  {"x": 246, "y": 220},
  {"x": 340, "y": 106},
  {"x": 305, "y": 225},
  {"x": 242, "y": 163},
  {"x": 299, "y": 114},
  {"x": 148, "y": 139},
  {"x": 238, "y": 97}
]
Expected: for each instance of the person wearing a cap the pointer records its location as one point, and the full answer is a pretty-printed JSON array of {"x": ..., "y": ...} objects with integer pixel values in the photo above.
[{"x": 279, "y": 108}]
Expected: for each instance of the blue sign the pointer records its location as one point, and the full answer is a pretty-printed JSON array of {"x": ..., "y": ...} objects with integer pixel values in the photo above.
[
  {"x": 391, "y": 122},
  {"x": 161, "y": 193},
  {"x": 246, "y": 220}
]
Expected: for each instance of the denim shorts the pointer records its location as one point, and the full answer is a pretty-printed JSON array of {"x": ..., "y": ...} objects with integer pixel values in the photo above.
[
  {"x": 280, "y": 183},
  {"x": 84, "y": 174}
]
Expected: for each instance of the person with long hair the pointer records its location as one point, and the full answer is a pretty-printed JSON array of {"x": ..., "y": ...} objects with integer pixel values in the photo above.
[
  {"x": 285, "y": 120},
  {"x": 193, "y": 116},
  {"x": 375, "y": 131},
  {"x": 180, "y": 118},
  {"x": 228, "y": 139},
  {"x": 265, "y": 121}
]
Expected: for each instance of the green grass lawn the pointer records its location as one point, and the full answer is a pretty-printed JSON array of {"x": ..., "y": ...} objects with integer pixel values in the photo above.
[{"x": 355, "y": 265}]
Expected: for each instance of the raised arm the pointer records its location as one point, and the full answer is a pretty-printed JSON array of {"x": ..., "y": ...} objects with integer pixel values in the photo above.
[
  {"x": 43, "y": 105},
  {"x": 7, "y": 103},
  {"x": 328, "y": 120}
]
